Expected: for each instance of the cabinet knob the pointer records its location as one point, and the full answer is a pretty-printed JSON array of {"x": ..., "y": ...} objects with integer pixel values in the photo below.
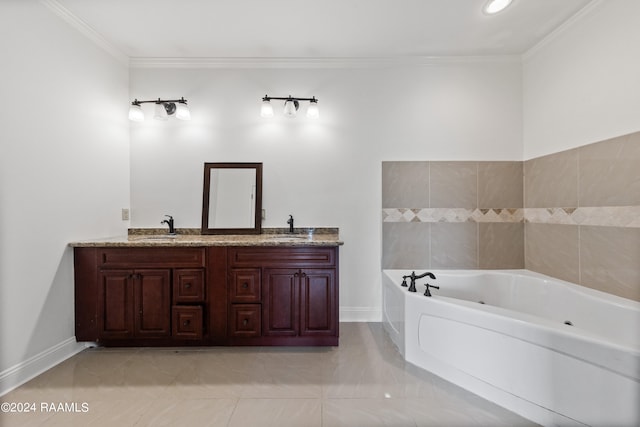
[
  {"x": 245, "y": 285},
  {"x": 245, "y": 322},
  {"x": 186, "y": 323},
  {"x": 187, "y": 285}
]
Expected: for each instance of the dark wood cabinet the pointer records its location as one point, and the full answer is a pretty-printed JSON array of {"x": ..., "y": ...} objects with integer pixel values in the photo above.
[
  {"x": 297, "y": 296},
  {"x": 300, "y": 302},
  {"x": 258, "y": 295},
  {"x": 134, "y": 303}
]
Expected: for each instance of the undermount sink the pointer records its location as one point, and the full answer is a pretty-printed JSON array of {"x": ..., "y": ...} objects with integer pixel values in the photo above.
[
  {"x": 289, "y": 238},
  {"x": 155, "y": 238}
]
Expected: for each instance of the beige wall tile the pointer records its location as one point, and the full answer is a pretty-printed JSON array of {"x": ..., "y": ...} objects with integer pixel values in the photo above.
[
  {"x": 551, "y": 181},
  {"x": 500, "y": 185},
  {"x": 405, "y": 184},
  {"x": 454, "y": 245},
  {"x": 406, "y": 245},
  {"x": 454, "y": 185},
  {"x": 610, "y": 260},
  {"x": 501, "y": 245},
  {"x": 610, "y": 172},
  {"x": 552, "y": 249}
]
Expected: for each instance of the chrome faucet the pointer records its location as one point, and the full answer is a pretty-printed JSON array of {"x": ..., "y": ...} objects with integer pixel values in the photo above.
[
  {"x": 169, "y": 222},
  {"x": 290, "y": 222}
]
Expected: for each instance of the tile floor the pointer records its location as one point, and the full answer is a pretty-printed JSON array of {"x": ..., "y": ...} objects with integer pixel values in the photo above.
[{"x": 364, "y": 382}]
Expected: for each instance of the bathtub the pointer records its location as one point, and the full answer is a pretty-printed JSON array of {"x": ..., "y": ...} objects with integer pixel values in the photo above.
[{"x": 552, "y": 351}]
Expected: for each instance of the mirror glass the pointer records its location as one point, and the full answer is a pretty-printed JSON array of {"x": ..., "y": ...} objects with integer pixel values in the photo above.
[{"x": 232, "y": 198}]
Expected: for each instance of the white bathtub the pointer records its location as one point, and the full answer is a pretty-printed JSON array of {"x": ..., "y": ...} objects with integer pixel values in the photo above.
[{"x": 516, "y": 350}]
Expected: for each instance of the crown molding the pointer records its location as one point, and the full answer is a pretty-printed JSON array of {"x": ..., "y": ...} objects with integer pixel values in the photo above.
[
  {"x": 85, "y": 29},
  {"x": 563, "y": 28},
  {"x": 266, "y": 62},
  {"x": 345, "y": 62}
]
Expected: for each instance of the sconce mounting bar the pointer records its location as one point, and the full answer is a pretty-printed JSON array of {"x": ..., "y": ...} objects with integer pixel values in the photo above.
[
  {"x": 159, "y": 101},
  {"x": 289, "y": 98}
]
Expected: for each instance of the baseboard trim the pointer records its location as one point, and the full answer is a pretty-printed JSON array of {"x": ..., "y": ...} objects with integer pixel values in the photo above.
[
  {"x": 24, "y": 371},
  {"x": 360, "y": 314}
]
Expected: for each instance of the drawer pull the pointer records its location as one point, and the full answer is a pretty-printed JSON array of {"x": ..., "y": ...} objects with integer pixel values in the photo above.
[
  {"x": 186, "y": 323},
  {"x": 245, "y": 285}
]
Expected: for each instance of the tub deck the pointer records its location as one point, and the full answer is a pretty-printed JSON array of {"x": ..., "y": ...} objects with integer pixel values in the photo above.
[{"x": 515, "y": 349}]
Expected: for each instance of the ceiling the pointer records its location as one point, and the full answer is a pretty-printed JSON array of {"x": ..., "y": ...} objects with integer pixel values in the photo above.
[{"x": 318, "y": 29}]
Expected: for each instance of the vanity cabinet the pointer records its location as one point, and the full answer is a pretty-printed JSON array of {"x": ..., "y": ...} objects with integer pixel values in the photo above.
[
  {"x": 209, "y": 295},
  {"x": 139, "y": 296},
  {"x": 283, "y": 295}
]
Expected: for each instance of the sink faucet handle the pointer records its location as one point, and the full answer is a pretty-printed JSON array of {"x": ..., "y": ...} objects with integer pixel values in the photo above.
[{"x": 290, "y": 222}]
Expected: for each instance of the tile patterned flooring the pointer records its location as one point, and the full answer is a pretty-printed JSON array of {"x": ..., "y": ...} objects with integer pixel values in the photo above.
[{"x": 364, "y": 382}]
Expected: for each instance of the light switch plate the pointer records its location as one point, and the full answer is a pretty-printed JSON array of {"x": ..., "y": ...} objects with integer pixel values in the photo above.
[{"x": 125, "y": 214}]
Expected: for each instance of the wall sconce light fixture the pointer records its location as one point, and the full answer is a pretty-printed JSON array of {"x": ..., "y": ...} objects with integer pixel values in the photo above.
[
  {"x": 291, "y": 105},
  {"x": 163, "y": 109}
]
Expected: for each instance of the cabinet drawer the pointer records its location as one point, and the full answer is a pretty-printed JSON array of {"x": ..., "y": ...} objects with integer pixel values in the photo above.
[
  {"x": 245, "y": 320},
  {"x": 245, "y": 285},
  {"x": 282, "y": 257},
  {"x": 188, "y": 285},
  {"x": 150, "y": 257},
  {"x": 187, "y": 322}
]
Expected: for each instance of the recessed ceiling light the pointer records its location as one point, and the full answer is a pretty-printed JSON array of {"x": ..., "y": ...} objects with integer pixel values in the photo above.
[{"x": 495, "y": 6}]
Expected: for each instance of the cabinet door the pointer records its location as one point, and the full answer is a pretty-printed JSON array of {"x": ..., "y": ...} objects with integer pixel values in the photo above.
[
  {"x": 152, "y": 303},
  {"x": 318, "y": 302},
  {"x": 280, "y": 302},
  {"x": 115, "y": 304}
]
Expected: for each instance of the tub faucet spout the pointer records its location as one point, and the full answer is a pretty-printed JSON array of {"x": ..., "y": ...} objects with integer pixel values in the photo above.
[{"x": 413, "y": 277}]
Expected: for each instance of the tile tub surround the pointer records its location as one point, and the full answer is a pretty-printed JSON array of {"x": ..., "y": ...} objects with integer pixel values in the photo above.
[
  {"x": 573, "y": 215},
  {"x": 454, "y": 215},
  {"x": 364, "y": 382}
]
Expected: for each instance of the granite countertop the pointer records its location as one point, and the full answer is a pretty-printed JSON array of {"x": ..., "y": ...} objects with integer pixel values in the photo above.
[{"x": 188, "y": 238}]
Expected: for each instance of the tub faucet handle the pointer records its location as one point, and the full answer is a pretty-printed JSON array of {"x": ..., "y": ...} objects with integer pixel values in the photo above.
[
  {"x": 427, "y": 293},
  {"x": 413, "y": 277}
]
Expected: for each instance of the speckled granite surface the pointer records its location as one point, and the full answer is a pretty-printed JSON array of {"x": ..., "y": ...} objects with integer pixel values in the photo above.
[{"x": 187, "y": 238}]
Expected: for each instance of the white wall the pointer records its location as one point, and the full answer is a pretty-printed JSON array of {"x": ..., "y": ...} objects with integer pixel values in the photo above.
[
  {"x": 64, "y": 175},
  {"x": 581, "y": 85},
  {"x": 328, "y": 172}
]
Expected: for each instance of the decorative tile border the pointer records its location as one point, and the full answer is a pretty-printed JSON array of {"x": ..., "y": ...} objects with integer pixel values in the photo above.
[
  {"x": 608, "y": 216},
  {"x": 452, "y": 215}
]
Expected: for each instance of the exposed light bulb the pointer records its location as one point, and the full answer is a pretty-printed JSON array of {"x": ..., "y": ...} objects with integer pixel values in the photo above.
[
  {"x": 135, "y": 113},
  {"x": 495, "y": 6},
  {"x": 290, "y": 109},
  {"x": 266, "y": 110},
  {"x": 312, "y": 110},
  {"x": 182, "y": 111}
]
